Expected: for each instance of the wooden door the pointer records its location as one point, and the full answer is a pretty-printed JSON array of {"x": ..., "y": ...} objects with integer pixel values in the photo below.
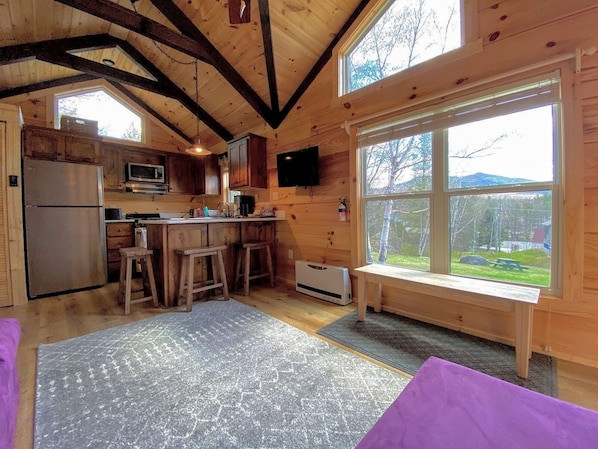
[{"x": 238, "y": 164}]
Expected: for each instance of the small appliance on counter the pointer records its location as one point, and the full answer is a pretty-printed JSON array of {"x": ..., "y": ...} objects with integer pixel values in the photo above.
[
  {"x": 113, "y": 213},
  {"x": 244, "y": 205}
]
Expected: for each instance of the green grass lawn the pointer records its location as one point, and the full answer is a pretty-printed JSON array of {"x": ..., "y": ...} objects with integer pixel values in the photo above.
[{"x": 536, "y": 273}]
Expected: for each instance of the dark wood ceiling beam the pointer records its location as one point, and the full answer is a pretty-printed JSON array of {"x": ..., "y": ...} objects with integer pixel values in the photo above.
[
  {"x": 269, "y": 55},
  {"x": 320, "y": 63},
  {"x": 101, "y": 71},
  {"x": 6, "y": 93},
  {"x": 175, "y": 91},
  {"x": 131, "y": 20},
  {"x": 123, "y": 90},
  {"x": 172, "y": 12},
  {"x": 24, "y": 52}
]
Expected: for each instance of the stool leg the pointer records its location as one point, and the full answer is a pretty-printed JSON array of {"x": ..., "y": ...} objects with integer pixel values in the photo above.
[
  {"x": 152, "y": 280},
  {"x": 269, "y": 262},
  {"x": 222, "y": 272},
  {"x": 122, "y": 277},
  {"x": 128, "y": 286},
  {"x": 183, "y": 272},
  {"x": 214, "y": 270},
  {"x": 190, "y": 266},
  {"x": 247, "y": 271},
  {"x": 240, "y": 256}
]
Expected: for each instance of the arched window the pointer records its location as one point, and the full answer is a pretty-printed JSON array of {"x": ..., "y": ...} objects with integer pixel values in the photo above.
[{"x": 114, "y": 118}]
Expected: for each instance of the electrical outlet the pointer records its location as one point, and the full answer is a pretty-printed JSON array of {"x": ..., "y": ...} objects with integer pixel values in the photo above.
[
  {"x": 274, "y": 196},
  {"x": 290, "y": 254}
]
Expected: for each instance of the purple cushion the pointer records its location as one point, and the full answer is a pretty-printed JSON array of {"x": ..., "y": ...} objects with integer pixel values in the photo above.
[
  {"x": 10, "y": 333},
  {"x": 448, "y": 406}
]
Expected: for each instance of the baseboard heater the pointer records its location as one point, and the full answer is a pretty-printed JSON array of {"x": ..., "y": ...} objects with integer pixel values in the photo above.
[{"x": 326, "y": 282}]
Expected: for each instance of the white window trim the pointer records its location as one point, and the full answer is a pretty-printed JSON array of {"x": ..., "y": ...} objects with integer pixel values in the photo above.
[{"x": 439, "y": 198}]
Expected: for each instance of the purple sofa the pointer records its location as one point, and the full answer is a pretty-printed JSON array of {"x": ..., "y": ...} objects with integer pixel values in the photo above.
[
  {"x": 10, "y": 333},
  {"x": 448, "y": 406}
]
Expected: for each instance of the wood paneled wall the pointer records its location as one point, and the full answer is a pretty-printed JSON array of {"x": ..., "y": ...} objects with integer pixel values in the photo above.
[{"x": 506, "y": 39}]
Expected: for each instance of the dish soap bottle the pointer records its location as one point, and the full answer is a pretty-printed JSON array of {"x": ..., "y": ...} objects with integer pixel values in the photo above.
[{"x": 206, "y": 212}]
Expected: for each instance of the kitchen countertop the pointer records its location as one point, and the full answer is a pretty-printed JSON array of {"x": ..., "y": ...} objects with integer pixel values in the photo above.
[
  {"x": 208, "y": 220},
  {"x": 124, "y": 220}
]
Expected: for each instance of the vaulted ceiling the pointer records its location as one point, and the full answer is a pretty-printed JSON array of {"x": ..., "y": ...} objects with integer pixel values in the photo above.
[{"x": 248, "y": 73}]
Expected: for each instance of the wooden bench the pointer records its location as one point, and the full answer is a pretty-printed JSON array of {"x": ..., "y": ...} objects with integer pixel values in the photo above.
[{"x": 517, "y": 299}]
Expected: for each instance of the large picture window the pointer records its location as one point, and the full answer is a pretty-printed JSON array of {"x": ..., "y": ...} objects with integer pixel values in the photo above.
[
  {"x": 404, "y": 34},
  {"x": 471, "y": 189}
]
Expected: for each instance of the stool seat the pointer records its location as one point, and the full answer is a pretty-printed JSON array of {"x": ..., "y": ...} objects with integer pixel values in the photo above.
[
  {"x": 188, "y": 256},
  {"x": 128, "y": 256},
  {"x": 243, "y": 270}
]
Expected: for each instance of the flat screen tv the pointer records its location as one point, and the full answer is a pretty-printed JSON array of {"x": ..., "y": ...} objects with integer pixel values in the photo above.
[{"x": 299, "y": 168}]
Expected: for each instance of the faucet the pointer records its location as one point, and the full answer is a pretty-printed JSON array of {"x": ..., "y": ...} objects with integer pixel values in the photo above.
[{"x": 228, "y": 213}]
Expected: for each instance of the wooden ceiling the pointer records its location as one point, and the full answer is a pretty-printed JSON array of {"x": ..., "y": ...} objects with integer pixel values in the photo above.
[{"x": 249, "y": 74}]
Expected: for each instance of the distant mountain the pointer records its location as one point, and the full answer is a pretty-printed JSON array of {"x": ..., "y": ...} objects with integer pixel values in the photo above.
[{"x": 484, "y": 180}]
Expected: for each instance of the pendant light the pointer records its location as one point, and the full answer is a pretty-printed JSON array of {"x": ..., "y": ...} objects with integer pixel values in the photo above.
[{"x": 197, "y": 148}]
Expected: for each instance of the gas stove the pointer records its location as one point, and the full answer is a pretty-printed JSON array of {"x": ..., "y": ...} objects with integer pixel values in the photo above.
[{"x": 148, "y": 216}]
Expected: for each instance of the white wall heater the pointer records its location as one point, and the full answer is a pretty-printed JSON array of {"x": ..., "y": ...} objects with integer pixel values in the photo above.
[{"x": 323, "y": 281}]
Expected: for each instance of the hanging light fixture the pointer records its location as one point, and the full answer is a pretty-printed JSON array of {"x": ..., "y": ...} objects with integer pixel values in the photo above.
[{"x": 197, "y": 148}]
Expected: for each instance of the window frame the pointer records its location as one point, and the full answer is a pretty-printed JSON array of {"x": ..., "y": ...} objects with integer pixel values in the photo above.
[
  {"x": 440, "y": 195},
  {"x": 116, "y": 96},
  {"x": 470, "y": 43}
]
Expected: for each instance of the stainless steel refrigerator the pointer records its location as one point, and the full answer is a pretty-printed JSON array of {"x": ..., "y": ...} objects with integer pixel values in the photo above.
[{"x": 65, "y": 233}]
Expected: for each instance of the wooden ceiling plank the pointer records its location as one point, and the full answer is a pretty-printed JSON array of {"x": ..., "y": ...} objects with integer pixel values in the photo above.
[
  {"x": 269, "y": 54},
  {"x": 131, "y": 20},
  {"x": 6, "y": 93},
  {"x": 172, "y": 12},
  {"x": 321, "y": 62}
]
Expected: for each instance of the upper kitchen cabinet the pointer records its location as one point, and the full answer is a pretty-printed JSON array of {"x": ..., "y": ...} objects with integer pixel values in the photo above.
[
  {"x": 247, "y": 163},
  {"x": 56, "y": 145},
  {"x": 114, "y": 172},
  {"x": 193, "y": 175}
]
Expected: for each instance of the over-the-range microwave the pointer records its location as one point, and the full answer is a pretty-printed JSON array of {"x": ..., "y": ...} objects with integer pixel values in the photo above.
[{"x": 145, "y": 172}]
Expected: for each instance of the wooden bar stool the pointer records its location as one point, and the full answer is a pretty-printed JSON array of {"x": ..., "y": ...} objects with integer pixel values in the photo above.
[
  {"x": 188, "y": 257},
  {"x": 128, "y": 256},
  {"x": 244, "y": 261}
]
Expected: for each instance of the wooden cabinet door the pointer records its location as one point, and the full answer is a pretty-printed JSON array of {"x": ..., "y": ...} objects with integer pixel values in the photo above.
[
  {"x": 181, "y": 174},
  {"x": 114, "y": 172},
  {"x": 82, "y": 149},
  {"x": 247, "y": 163},
  {"x": 207, "y": 175},
  {"x": 238, "y": 164},
  {"x": 43, "y": 143}
]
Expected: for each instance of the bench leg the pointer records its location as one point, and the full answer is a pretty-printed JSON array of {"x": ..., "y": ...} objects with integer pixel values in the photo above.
[
  {"x": 523, "y": 337},
  {"x": 362, "y": 302},
  {"x": 378, "y": 298}
]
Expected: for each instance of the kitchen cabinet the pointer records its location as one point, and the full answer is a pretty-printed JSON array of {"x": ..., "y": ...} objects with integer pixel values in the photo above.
[
  {"x": 181, "y": 171},
  {"x": 193, "y": 175},
  {"x": 247, "y": 163},
  {"x": 114, "y": 172},
  {"x": 57, "y": 145},
  {"x": 118, "y": 235}
]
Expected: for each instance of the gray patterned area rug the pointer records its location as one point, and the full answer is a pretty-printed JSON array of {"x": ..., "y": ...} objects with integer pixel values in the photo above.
[
  {"x": 222, "y": 376},
  {"x": 405, "y": 344}
]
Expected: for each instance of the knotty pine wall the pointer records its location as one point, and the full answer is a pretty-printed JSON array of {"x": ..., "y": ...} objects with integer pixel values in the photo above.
[{"x": 507, "y": 40}]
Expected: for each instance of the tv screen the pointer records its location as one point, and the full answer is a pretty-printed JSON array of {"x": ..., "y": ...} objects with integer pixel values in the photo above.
[{"x": 298, "y": 168}]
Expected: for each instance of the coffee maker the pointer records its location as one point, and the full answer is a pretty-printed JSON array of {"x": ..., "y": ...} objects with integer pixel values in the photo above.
[{"x": 244, "y": 205}]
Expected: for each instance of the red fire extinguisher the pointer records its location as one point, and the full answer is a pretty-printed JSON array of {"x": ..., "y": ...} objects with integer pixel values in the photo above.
[{"x": 342, "y": 210}]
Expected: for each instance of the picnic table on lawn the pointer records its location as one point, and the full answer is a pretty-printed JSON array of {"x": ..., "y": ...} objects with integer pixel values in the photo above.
[{"x": 508, "y": 264}]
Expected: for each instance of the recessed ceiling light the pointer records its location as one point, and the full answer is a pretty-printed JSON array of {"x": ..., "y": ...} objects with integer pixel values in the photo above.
[{"x": 108, "y": 62}]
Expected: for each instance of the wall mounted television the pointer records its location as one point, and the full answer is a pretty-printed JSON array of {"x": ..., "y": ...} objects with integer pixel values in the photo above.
[{"x": 299, "y": 168}]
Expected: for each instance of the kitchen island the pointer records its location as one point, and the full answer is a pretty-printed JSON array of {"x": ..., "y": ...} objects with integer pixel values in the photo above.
[{"x": 166, "y": 236}]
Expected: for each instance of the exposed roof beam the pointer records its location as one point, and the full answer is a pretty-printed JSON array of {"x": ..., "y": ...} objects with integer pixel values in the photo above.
[
  {"x": 6, "y": 93},
  {"x": 320, "y": 63},
  {"x": 269, "y": 55},
  {"x": 131, "y": 20},
  {"x": 149, "y": 109},
  {"x": 24, "y": 52},
  {"x": 173, "y": 13}
]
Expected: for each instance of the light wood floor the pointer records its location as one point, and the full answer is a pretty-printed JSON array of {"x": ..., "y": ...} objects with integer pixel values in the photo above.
[{"x": 49, "y": 320}]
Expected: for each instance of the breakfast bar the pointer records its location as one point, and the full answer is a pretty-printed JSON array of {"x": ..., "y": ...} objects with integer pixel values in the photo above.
[{"x": 167, "y": 236}]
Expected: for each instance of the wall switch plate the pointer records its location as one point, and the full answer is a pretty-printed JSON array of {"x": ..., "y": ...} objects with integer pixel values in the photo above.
[{"x": 290, "y": 254}]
